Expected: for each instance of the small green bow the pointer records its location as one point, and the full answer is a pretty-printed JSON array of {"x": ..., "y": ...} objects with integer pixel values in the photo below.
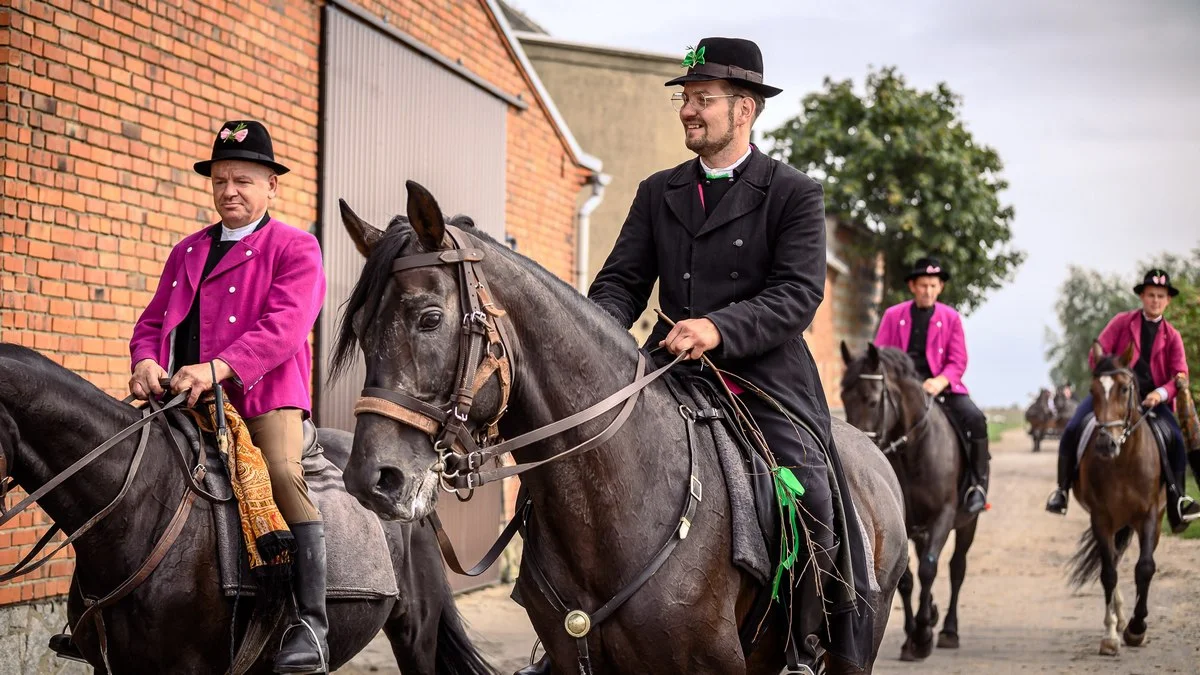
[{"x": 694, "y": 57}]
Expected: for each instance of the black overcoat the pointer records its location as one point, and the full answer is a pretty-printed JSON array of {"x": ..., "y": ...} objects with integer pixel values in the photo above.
[{"x": 755, "y": 267}]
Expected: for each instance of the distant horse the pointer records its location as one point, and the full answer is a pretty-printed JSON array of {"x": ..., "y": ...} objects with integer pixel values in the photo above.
[
  {"x": 598, "y": 519},
  {"x": 177, "y": 620},
  {"x": 883, "y": 396},
  {"x": 1120, "y": 484},
  {"x": 1064, "y": 408},
  {"x": 1041, "y": 418}
]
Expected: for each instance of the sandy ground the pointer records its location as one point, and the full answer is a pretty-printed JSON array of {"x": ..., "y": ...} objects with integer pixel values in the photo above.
[{"x": 1017, "y": 613}]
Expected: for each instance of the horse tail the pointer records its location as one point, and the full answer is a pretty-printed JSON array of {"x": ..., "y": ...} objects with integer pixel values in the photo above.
[
  {"x": 1085, "y": 564},
  {"x": 456, "y": 654}
]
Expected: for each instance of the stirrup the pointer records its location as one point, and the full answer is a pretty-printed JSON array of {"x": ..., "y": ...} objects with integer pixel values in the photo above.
[
  {"x": 1184, "y": 502},
  {"x": 64, "y": 648},
  {"x": 312, "y": 634}
]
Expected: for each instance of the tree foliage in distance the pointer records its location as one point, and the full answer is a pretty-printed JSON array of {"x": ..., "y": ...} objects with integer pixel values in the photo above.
[{"x": 900, "y": 162}]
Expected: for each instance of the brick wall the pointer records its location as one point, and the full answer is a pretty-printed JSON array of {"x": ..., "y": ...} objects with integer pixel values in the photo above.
[{"x": 107, "y": 106}]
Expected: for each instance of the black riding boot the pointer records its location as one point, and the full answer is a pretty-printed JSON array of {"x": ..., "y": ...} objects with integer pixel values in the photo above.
[
  {"x": 1194, "y": 460},
  {"x": 976, "y": 499},
  {"x": 542, "y": 667},
  {"x": 1066, "y": 474},
  {"x": 304, "y": 648}
]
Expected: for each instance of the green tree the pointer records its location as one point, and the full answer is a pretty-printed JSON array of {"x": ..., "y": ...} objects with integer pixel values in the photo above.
[
  {"x": 900, "y": 161},
  {"x": 1087, "y": 301}
]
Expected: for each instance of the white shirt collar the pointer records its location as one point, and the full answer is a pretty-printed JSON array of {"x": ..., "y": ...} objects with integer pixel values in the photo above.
[
  {"x": 240, "y": 233},
  {"x": 727, "y": 171},
  {"x": 1146, "y": 318}
]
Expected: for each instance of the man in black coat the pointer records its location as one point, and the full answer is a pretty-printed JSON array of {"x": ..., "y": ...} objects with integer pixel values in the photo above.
[{"x": 737, "y": 241}]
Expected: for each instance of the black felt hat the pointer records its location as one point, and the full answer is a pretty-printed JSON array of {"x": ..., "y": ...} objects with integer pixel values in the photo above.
[
  {"x": 246, "y": 140},
  {"x": 733, "y": 59},
  {"x": 1157, "y": 277},
  {"x": 928, "y": 267}
]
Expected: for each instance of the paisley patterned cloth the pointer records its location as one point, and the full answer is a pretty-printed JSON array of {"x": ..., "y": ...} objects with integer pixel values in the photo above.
[
  {"x": 1185, "y": 410},
  {"x": 269, "y": 541}
]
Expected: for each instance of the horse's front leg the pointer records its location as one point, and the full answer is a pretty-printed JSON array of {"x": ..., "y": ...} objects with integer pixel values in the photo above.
[
  {"x": 1109, "y": 646},
  {"x": 1135, "y": 632},
  {"x": 963, "y": 538},
  {"x": 927, "y": 613}
]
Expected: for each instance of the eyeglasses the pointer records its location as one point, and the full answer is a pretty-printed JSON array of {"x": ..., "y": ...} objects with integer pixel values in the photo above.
[{"x": 699, "y": 102}]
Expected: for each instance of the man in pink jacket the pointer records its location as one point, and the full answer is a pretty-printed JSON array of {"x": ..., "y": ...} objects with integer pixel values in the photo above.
[
  {"x": 932, "y": 335},
  {"x": 238, "y": 300},
  {"x": 1159, "y": 351}
]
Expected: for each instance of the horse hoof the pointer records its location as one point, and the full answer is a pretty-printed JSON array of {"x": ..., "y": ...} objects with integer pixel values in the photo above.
[
  {"x": 947, "y": 640},
  {"x": 906, "y": 653},
  {"x": 1109, "y": 647},
  {"x": 1133, "y": 639},
  {"x": 923, "y": 650}
]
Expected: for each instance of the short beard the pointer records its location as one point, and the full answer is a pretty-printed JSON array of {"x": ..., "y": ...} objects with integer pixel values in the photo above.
[{"x": 707, "y": 147}]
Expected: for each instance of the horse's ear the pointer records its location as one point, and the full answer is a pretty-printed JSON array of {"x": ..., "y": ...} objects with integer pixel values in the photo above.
[
  {"x": 846, "y": 357},
  {"x": 425, "y": 216},
  {"x": 363, "y": 234},
  {"x": 1097, "y": 352},
  {"x": 1127, "y": 356},
  {"x": 872, "y": 355}
]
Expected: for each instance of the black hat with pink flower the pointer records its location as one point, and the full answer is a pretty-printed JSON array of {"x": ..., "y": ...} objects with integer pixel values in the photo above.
[
  {"x": 928, "y": 267},
  {"x": 1157, "y": 277},
  {"x": 246, "y": 140}
]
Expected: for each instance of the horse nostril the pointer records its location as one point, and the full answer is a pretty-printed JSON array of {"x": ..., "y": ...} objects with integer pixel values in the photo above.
[{"x": 390, "y": 483}]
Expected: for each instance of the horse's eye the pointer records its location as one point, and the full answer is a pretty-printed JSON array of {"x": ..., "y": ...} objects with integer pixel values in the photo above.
[{"x": 430, "y": 319}]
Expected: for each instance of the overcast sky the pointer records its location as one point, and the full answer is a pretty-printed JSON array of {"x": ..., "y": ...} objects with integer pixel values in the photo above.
[{"x": 1094, "y": 108}]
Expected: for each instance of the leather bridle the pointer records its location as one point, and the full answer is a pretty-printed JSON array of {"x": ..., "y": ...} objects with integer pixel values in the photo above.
[
  {"x": 1128, "y": 425},
  {"x": 483, "y": 352},
  {"x": 885, "y": 404}
]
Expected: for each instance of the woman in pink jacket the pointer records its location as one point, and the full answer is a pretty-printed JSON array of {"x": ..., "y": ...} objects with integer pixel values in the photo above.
[
  {"x": 238, "y": 299},
  {"x": 1160, "y": 357},
  {"x": 932, "y": 335}
]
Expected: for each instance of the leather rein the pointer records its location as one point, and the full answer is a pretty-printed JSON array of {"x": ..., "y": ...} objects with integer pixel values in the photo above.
[
  {"x": 483, "y": 353},
  {"x": 93, "y": 606}
]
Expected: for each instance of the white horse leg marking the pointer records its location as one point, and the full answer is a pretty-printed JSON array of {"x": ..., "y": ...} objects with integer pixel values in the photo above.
[
  {"x": 1119, "y": 603},
  {"x": 1110, "y": 646}
]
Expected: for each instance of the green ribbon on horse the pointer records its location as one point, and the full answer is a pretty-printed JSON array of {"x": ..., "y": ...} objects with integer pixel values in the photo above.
[{"x": 788, "y": 491}]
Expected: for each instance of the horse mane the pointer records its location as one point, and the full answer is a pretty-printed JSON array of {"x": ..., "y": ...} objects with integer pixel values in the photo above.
[
  {"x": 377, "y": 271},
  {"x": 1107, "y": 364},
  {"x": 898, "y": 363},
  {"x": 48, "y": 374}
]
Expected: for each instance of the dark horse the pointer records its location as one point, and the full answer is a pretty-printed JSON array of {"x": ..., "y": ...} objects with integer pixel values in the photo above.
[
  {"x": 1041, "y": 419},
  {"x": 1120, "y": 484},
  {"x": 1064, "y": 407},
  {"x": 597, "y": 517},
  {"x": 178, "y": 620},
  {"x": 883, "y": 396}
]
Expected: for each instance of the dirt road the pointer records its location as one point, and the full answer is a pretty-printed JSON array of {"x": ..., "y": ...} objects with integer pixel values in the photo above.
[{"x": 1017, "y": 613}]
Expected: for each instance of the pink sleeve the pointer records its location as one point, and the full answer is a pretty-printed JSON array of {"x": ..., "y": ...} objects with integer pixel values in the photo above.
[
  {"x": 1107, "y": 339},
  {"x": 297, "y": 294},
  {"x": 147, "y": 333},
  {"x": 956, "y": 352},
  {"x": 885, "y": 337}
]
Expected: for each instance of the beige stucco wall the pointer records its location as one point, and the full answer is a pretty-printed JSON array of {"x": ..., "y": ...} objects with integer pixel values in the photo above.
[{"x": 618, "y": 109}]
